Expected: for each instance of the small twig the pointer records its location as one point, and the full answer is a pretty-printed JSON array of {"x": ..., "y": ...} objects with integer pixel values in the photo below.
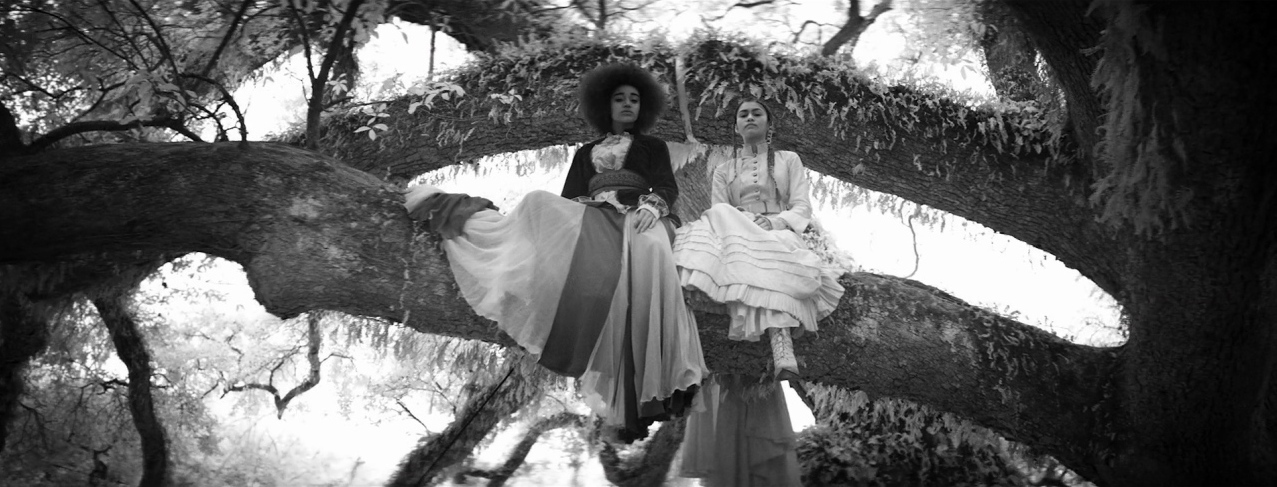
[
  {"x": 916, "y": 257},
  {"x": 413, "y": 416}
]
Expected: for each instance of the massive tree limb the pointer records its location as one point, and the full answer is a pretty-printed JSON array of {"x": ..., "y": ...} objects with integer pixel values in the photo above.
[
  {"x": 1004, "y": 170},
  {"x": 313, "y": 233}
]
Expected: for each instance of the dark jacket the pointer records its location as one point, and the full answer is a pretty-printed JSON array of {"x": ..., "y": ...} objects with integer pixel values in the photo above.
[{"x": 648, "y": 156}]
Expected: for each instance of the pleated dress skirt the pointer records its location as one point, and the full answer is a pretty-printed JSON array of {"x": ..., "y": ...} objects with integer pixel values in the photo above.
[
  {"x": 576, "y": 287},
  {"x": 766, "y": 278}
]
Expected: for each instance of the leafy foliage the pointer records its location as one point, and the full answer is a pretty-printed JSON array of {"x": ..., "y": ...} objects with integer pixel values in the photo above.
[{"x": 892, "y": 442}]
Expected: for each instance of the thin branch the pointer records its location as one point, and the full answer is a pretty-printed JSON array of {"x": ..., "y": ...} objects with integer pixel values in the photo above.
[
  {"x": 108, "y": 126},
  {"x": 745, "y": 5},
  {"x": 226, "y": 40},
  {"x": 312, "y": 356},
  {"x": 917, "y": 258},
  {"x": 104, "y": 90},
  {"x": 314, "y": 340},
  {"x": 83, "y": 35},
  {"x": 159, "y": 37},
  {"x": 228, "y": 99},
  {"x": 410, "y": 415},
  {"x": 41, "y": 89},
  {"x": 318, "y": 82}
]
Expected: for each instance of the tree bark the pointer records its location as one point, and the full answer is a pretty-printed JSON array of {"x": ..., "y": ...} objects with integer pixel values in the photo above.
[
  {"x": 1065, "y": 33},
  {"x": 130, "y": 345},
  {"x": 1010, "y": 55},
  {"x": 23, "y": 334},
  {"x": 480, "y": 25}
]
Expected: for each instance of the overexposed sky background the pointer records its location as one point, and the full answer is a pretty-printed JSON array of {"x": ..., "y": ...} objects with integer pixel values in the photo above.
[{"x": 969, "y": 261}]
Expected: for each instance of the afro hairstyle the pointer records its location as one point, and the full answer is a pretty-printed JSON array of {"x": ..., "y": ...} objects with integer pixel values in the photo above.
[{"x": 596, "y": 95}]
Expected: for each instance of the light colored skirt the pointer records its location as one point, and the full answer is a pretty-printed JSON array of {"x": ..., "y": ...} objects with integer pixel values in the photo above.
[
  {"x": 767, "y": 278},
  {"x": 743, "y": 437},
  {"x": 575, "y": 287}
]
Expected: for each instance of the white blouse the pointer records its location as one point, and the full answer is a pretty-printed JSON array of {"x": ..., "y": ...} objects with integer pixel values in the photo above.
[{"x": 741, "y": 179}]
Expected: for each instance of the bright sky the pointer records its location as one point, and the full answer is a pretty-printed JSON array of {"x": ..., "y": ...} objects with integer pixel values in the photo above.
[{"x": 973, "y": 263}]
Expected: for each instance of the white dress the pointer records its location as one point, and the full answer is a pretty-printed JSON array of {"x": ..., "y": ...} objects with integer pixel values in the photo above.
[{"x": 766, "y": 278}]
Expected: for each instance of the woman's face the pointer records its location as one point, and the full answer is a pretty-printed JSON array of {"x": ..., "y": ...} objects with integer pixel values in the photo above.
[
  {"x": 625, "y": 106},
  {"x": 751, "y": 121}
]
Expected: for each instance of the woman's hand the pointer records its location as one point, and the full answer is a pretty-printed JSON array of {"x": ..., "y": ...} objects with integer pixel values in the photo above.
[
  {"x": 764, "y": 222},
  {"x": 643, "y": 220}
]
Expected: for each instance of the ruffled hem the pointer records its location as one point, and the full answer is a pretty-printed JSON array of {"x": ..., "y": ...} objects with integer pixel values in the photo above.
[{"x": 754, "y": 310}]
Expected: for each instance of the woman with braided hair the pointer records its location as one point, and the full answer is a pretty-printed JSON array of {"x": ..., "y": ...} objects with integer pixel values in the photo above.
[
  {"x": 586, "y": 281},
  {"x": 746, "y": 252}
]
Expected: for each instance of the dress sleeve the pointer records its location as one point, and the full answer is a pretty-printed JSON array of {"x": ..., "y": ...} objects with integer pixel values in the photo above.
[
  {"x": 577, "y": 183},
  {"x": 660, "y": 173},
  {"x": 798, "y": 214},
  {"x": 720, "y": 189}
]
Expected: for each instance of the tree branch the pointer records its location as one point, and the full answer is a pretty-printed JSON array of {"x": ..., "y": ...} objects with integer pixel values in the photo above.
[
  {"x": 130, "y": 345},
  {"x": 649, "y": 467},
  {"x": 486, "y": 408},
  {"x": 305, "y": 246},
  {"x": 979, "y": 164},
  {"x": 1066, "y": 33},
  {"x": 856, "y": 25},
  {"x": 228, "y": 99},
  {"x": 319, "y": 82},
  {"x": 226, "y": 39},
  {"x": 74, "y": 128},
  {"x": 498, "y": 477},
  {"x": 314, "y": 341}
]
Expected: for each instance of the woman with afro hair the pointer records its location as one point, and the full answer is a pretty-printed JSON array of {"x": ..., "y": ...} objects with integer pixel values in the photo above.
[{"x": 586, "y": 282}]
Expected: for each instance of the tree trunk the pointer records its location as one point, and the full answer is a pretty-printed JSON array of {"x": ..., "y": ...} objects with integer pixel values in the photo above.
[
  {"x": 23, "y": 334},
  {"x": 130, "y": 345}
]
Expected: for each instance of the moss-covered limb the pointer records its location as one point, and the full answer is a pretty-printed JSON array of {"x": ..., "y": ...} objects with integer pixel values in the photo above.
[
  {"x": 1003, "y": 167},
  {"x": 131, "y": 347},
  {"x": 894, "y": 337},
  {"x": 314, "y": 234}
]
